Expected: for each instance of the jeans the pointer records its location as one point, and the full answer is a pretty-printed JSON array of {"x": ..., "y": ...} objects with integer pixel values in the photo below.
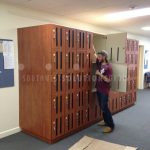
[{"x": 103, "y": 103}]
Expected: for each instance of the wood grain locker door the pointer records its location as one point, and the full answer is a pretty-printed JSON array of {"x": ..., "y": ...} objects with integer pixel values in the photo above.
[
  {"x": 57, "y": 61},
  {"x": 70, "y": 119},
  {"x": 79, "y": 118},
  {"x": 69, "y": 102},
  {"x": 89, "y": 41},
  {"x": 58, "y": 37},
  {"x": 87, "y": 97},
  {"x": 87, "y": 117},
  {"x": 57, "y": 110},
  {"x": 70, "y": 116},
  {"x": 79, "y": 99},
  {"x": 81, "y": 40},
  {"x": 58, "y": 83}
]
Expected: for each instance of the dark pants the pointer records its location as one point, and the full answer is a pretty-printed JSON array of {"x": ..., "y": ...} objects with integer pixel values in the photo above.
[{"x": 103, "y": 103}]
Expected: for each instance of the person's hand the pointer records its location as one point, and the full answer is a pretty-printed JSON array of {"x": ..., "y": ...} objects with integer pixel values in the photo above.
[{"x": 98, "y": 73}]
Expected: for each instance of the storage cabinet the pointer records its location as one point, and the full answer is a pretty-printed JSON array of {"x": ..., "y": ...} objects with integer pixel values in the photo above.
[
  {"x": 123, "y": 54},
  {"x": 55, "y": 84}
]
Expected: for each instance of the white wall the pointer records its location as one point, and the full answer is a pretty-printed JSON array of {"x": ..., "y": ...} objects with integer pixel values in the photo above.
[{"x": 11, "y": 18}]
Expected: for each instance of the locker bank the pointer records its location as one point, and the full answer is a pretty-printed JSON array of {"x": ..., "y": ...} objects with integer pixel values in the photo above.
[{"x": 48, "y": 74}]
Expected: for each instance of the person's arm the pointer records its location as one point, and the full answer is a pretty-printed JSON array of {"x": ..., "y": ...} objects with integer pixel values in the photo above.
[
  {"x": 103, "y": 77},
  {"x": 108, "y": 77},
  {"x": 94, "y": 52}
]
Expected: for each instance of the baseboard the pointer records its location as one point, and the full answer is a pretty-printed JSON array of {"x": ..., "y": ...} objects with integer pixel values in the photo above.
[{"x": 9, "y": 132}]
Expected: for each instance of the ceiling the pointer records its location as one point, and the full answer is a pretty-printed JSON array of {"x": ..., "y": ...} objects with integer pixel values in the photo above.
[{"x": 92, "y": 11}]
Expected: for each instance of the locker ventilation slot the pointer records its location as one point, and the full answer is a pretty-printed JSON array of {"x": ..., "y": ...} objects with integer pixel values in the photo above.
[
  {"x": 69, "y": 81},
  {"x": 72, "y": 121},
  {"x": 60, "y": 125},
  {"x": 80, "y": 40},
  {"x": 79, "y": 100},
  {"x": 56, "y": 82},
  {"x": 56, "y": 127},
  {"x": 69, "y": 60},
  {"x": 68, "y": 122},
  {"x": 61, "y": 79},
  {"x": 72, "y": 81},
  {"x": 60, "y": 60},
  {"x": 79, "y": 118},
  {"x": 89, "y": 41},
  {"x": 56, "y": 60},
  {"x": 111, "y": 54},
  {"x": 83, "y": 60},
  {"x": 88, "y": 97},
  {"x": 79, "y": 80},
  {"x": 69, "y": 39},
  {"x": 82, "y": 79},
  {"x": 61, "y": 37},
  {"x": 118, "y": 54},
  {"x": 95, "y": 111},
  {"x": 72, "y": 39},
  {"x": 72, "y": 60},
  {"x": 82, "y": 98},
  {"x": 72, "y": 101},
  {"x": 61, "y": 104},
  {"x": 83, "y": 39},
  {"x": 88, "y": 114},
  {"x": 56, "y": 36},
  {"x": 56, "y": 105},
  {"x": 82, "y": 116},
  {"x": 68, "y": 101},
  {"x": 80, "y": 60}
]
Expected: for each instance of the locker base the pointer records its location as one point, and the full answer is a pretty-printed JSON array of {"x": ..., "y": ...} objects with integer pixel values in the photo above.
[{"x": 51, "y": 141}]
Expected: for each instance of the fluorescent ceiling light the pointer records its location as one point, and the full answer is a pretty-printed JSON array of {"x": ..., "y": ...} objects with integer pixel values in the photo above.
[
  {"x": 127, "y": 14},
  {"x": 146, "y": 28}
]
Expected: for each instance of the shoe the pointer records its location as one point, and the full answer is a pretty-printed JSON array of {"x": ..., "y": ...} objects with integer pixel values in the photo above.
[
  {"x": 107, "y": 130},
  {"x": 102, "y": 123}
]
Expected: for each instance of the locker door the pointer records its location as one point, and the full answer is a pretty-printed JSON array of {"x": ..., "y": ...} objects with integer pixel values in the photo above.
[
  {"x": 89, "y": 41},
  {"x": 57, "y": 110},
  {"x": 58, "y": 83},
  {"x": 58, "y": 37},
  {"x": 116, "y": 45},
  {"x": 58, "y": 63},
  {"x": 79, "y": 117},
  {"x": 87, "y": 117},
  {"x": 119, "y": 81},
  {"x": 79, "y": 40},
  {"x": 70, "y": 116}
]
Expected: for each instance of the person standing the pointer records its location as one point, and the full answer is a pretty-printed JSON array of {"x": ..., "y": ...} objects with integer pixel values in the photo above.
[{"x": 104, "y": 76}]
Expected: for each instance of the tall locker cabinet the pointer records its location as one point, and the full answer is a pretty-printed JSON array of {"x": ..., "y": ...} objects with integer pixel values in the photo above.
[
  {"x": 123, "y": 54},
  {"x": 55, "y": 81}
]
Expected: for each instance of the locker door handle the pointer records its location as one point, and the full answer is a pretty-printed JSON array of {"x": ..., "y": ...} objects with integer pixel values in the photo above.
[
  {"x": 77, "y": 58},
  {"x": 54, "y": 58},
  {"x": 54, "y": 34},
  {"x": 1, "y": 72},
  {"x": 67, "y": 36},
  {"x": 54, "y": 103}
]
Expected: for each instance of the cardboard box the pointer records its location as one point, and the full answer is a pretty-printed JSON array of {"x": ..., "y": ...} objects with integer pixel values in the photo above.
[{"x": 88, "y": 143}]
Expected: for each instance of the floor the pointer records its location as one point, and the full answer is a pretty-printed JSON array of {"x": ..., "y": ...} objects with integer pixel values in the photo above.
[{"x": 132, "y": 129}]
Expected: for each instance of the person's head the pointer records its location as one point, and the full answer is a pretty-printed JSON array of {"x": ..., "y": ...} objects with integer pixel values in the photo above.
[{"x": 102, "y": 56}]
